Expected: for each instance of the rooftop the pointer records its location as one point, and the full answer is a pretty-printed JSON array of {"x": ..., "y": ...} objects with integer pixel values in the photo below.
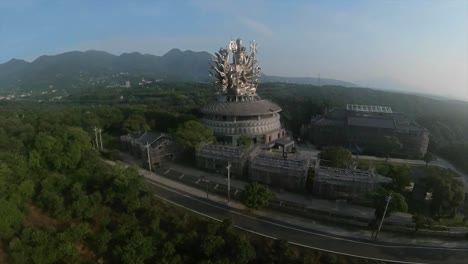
[
  {"x": 149, "y": 137},
  {"x": 341, "y": 176},
  {"x": 241, "y": 108},
  {"x": 364, "y": 121},
  {"x": 219, "y": 150},
  {"x": 366, "y": 116},
  {"x": 369, "y": 108},
  {"x": 275, "y": 161}
]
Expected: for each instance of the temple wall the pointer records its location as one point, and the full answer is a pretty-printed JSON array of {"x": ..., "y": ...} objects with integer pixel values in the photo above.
[{"x": 251, "y": 127}]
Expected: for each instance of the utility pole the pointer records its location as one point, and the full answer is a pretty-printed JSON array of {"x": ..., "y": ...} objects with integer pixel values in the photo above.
[
  {"x": 96, "y": 137},
  {"x": 389, "y": 198},
  {"x": 149, "y": 157},
  {"x": 100, "y": 137},
  {"x": 229, "y": 180},
  {"x": 203, "y": 179}
]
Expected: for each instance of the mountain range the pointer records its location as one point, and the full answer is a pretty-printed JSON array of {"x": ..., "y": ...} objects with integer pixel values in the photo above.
[{"x": 78, "y": 69}]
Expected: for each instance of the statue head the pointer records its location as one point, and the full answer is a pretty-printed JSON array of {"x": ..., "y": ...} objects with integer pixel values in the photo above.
[{"x": 239, "y": 43}]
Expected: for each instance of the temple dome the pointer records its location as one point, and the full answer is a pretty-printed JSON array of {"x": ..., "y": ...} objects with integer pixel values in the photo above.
[{"x": 241, "y": 108}]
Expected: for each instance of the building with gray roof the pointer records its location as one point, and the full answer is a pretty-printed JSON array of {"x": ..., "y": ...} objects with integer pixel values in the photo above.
[
  {"x": 161, "y": 146},
  {"x": 361, "y": 129}
]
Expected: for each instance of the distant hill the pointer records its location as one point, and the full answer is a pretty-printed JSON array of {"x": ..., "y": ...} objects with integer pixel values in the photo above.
[
  {"x": 306, "y": 80},
  {"x": 73, "y": 69},
  {"x": 80, "y": 69}
]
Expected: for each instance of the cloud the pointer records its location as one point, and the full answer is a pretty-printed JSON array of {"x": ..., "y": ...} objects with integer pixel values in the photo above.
[{"x": 256, "y": 26}]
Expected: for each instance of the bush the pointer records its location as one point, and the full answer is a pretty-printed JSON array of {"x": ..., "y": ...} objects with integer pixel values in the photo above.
[{"x": 256, "y": 196}]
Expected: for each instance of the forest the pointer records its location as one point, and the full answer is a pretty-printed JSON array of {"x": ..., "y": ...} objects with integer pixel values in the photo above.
[
  {"x": 60, "y": 203},
  {"x": 445, "y": 119}
]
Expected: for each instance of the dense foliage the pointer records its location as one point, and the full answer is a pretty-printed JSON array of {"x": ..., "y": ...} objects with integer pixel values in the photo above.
[
  {"x": 191, "y": 134},
  {"x": 336, "y": 157},
  {"x": 380, "y": 198},
  {"x": 256, "y": 196},
  {"x": 60, "y": 203},
  {"x": 174, "y": 103},
  {"x": 447, "y": 193}
]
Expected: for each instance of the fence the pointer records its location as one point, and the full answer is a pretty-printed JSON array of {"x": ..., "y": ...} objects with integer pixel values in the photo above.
[{"x": 303, "y": 210}]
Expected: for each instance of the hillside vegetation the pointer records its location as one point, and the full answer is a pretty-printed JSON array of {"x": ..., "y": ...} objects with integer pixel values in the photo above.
[
  {"x": 162, "y": 102},
  {"x": 60, "y": 203}
]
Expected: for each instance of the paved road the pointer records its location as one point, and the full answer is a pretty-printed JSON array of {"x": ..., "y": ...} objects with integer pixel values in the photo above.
[{"x": 308, "y": 238}]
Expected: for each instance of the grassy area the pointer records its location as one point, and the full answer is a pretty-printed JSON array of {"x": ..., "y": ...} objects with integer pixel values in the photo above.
[
  {"x": 456, "y": 221},
  {"x": 365, "y": 164}
]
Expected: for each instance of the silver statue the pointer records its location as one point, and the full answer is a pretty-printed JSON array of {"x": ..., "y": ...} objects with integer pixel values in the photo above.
[{"x": 239, "y": 77}]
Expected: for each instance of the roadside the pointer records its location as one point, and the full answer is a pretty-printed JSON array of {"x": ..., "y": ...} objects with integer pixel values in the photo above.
[
  {"x": 438, "y": 162},
  {"x": 337, "y": 231}
]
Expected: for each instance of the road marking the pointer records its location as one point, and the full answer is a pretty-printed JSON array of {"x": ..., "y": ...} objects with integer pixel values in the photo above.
[
  {"x": 292, "y": 243},
  {"x": 309, "y": 232},
  {"x": 200, "y": 213}
]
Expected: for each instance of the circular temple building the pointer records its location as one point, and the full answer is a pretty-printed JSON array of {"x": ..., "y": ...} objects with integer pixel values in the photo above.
[
  {"x": 231, "y": 116},
  {"x": 238, "y": 110}
]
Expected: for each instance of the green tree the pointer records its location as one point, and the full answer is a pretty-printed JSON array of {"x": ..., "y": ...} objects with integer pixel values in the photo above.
[
  {"x": 399, "y": 174},
  {"x": 256, "y": 196},
  {"x": 211, "y": 245},
  {"x": 135, "y": 123},
  {"x": 109, "y": 116},
  {"x": 428, "y": 157},
  {"x": 396, "y": 204},
  {"x": 389, "y": 145},
  {"x": 447, "y": 193},
  {"x": 10, "y": 219},
  {"x": 245, "y": 141},
  {"x": 421, "y": 221},
  {"x": 34, "y": 160},
  {"x": 336, "y": 157},
  {"x": 49, "y": 150},
  {"x": 284, "y": 254},
  {"x": 76, "y": 144},
  {"x": 191, "y": 133}
]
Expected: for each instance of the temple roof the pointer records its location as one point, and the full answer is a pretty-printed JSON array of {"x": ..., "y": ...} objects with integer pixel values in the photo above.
[
  {"x": 365, "y": 121},
  {"x": 248, "y": 108}
]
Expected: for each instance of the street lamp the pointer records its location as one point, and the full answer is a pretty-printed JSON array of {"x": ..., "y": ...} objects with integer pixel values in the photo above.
[
  {"x": 229, "y": 181},
  {"x": 388, "y": 199},
  {"x": 149, "y": 156}
]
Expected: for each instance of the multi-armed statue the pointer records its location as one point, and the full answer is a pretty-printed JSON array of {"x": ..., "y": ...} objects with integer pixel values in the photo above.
[{"x": 239, "y": 77}]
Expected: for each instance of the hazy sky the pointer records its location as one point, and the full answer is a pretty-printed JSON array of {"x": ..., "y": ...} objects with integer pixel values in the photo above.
[{"x": 421, "y": 44}]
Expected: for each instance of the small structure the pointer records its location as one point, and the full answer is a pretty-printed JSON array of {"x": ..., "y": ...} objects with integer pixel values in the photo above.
[
  {"x": 161, "y": 146},
  {"x": 280, "y": 171},
  {"x": 336, "y": 183},
  {"x": 215, "y": 157}
]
